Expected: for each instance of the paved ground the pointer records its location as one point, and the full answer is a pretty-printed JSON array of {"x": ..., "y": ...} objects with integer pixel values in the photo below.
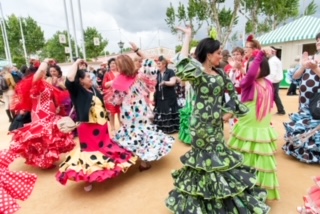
[{"x": 144, "y": 193}]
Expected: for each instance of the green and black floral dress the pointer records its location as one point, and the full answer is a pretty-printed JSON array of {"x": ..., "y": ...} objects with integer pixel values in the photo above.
[{"x": 213, "y": 179}]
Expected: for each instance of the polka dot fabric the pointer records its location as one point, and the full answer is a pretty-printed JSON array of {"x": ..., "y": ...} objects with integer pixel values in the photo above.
[
  {"x": 13, "y": 185},
  {"x": 302, "y": 122},
  {"x": 41, "y": 142},
  {"x": 96, "y": 158}
]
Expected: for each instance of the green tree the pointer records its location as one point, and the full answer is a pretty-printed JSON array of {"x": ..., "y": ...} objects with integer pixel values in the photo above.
[
  {"x": 194, "y": 14},
  {"x": 265, "y": 15},
  {"x": 311, "y": 9},
  {"x": 92, "y": 50},
  {"x": 54, "y": 49},
  {"x": 33, "y": 34},
  {"x": 194, "y": 43},
  {"x": 197, "y": 12}
]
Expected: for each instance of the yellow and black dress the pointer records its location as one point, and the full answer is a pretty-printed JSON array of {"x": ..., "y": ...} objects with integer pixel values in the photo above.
[{"x": 96, "y": 158}]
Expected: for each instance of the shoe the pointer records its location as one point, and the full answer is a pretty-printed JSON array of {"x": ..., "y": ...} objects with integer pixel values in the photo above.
[
  {"x": 144, "y": 168},
  {"x": 281, "y": 112}
]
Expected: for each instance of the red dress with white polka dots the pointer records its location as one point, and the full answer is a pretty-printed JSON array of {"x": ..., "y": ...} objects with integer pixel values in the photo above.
[
  {"x": 13, "y": 185},
  {"x": 41, "y": 142}
]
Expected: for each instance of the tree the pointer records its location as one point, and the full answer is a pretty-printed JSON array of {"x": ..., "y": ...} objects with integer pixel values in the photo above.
[
  {"x": 54, "y": 49},
  {"x": 194, "y": 43},
  {"x": 34, "y": 38},
  {"x": 265, "y": 15},
  {"x": 195, "y": 14},
  {"x": 311, "y": 9},
  {"x": 199, "y": 11},
  {"x": 92, "y": 50}
]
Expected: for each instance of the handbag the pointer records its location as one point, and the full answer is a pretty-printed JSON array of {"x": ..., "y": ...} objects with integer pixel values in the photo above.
[
  {"x": 314, "y": 106},
  {"x": 66, "y": 124}
]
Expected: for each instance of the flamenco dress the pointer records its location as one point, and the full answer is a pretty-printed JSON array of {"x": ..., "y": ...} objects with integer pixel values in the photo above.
[
  {"x": 312, "y": 199},
  {"x": 213, "y": 179},
  {"x": 137, "y": 133},
  {"x": 96, "y": 158},
  {"x": 13, "y": 185},
  {"x": 41, "y": 142}
]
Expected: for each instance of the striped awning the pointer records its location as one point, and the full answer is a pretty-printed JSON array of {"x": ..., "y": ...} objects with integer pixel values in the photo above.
[{"x": 304, "y": 28}]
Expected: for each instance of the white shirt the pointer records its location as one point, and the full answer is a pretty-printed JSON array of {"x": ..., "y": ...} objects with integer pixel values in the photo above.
[{"x": 276, "y": 72}]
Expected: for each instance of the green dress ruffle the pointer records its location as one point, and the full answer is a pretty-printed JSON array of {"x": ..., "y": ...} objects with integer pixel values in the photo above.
[
  {"x": 185, "y": 115},
  {"x": 213, "y": 179},
  {"x": 256, "y": 140}
]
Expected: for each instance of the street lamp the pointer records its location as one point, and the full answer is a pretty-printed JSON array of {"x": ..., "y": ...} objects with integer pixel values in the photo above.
[{"x": 120, "y": 45}]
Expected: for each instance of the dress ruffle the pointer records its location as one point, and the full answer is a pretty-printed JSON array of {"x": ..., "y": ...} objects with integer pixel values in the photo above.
[
  {"x": 312, "y": 199},
  {"x": 96, "y": 158},
  {"x": 13, "y": 185},
  {"x": 147, "y": 142},
  {"x": 258, "y": 145},
  {"x": 301, "y": 123},
  {"x": 184, "y": 130},
  {"x": 39, "y": 145}
]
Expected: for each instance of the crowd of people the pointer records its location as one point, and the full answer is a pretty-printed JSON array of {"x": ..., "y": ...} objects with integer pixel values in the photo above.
[{"x": 123, "y": 114}]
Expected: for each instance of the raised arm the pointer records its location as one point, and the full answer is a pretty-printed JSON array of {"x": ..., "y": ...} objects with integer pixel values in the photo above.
[
  {"x": 252, "y": 73},
  {"x": 137, "y": 50},
  {"x": 41, "y": 70},
  {"x": 186, "y": 42},
  {"x": 73, "y": 70}
]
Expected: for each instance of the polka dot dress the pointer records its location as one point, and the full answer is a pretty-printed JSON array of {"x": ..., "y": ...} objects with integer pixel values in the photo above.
[
  {"x": 41, "y": 142},
  {"x": 137, "y": 134},
  {"x": 302, "y": 122},
  {"x": 13, "y": 185}
]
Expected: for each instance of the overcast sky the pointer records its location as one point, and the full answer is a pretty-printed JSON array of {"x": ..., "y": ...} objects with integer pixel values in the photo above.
[{"x": 126, "y": 20}]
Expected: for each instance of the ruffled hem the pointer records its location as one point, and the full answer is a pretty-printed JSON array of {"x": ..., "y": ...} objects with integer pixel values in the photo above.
[
  {"x": 205, "y": 184},
  {"x": 312, "y": 200},
  {"x": 249, "y": 201},
  {"x": 148, "y": 143},
  {"x": 254, "y": 134},
  {"x": 94, "y": 166},
  {"x": 41, "y": 146},
  {"x": 213, "y": 159},
  {"x": 264, "y": 149},
  {"x": 184, "y": 130},
  {"x": 302, "y": 154},
  {"x": 185, "y": 137}
]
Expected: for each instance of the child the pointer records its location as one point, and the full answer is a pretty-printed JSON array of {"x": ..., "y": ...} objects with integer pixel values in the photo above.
[{"x": 253, "y": 134}]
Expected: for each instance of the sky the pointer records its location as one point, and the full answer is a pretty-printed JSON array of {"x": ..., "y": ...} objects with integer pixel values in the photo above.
[{"x": 139, "y": 21}]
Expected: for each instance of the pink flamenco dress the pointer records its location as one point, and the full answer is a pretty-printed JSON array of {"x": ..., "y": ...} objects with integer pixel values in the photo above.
[
  {"x": 13, "y": 185},
  {"x": 96, "y": 158},
  {"x": 41, "y": 142},
  {"x": 312, "y": 199}
]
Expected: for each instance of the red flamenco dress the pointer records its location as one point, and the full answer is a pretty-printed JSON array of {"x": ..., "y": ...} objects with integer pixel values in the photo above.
[
  {"x": 41, "y": 142},
  {"x": 96, "y": 158},
  {"x": 312, "y": 199},
  {"x": 113, "y": 109},
  {"x": 13, "y": 185}
]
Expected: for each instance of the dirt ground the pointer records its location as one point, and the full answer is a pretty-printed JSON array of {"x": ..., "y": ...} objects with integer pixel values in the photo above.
[{"x": 144, "y": 193}]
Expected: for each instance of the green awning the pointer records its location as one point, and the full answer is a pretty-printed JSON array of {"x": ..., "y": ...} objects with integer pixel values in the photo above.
[{"x": 304, "y": 28}]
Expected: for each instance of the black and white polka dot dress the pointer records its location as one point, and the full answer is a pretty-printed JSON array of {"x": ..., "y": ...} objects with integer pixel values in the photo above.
[
  {"x": 302, "y": 122},
  {"x": 137, "y": 134}
]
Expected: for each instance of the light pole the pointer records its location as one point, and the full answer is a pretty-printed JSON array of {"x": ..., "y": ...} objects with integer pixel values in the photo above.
[{"x": 120, "y": 45}]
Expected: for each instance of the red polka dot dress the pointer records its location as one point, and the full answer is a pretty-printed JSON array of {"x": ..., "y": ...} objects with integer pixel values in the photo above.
[
  {"x": 13, "y": 185},
  {"x": 41, "y": 142},
  {"x": 96, "y": 158}
]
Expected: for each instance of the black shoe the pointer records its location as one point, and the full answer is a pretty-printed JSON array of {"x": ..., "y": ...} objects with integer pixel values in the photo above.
[{"x": 281, "y": 112}]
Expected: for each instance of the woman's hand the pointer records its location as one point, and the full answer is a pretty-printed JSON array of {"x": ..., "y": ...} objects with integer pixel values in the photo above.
[
  {"x": 186, "y": 30},
  {"x": 134, "y": 47},
  {"x": 227, "y": 116}
]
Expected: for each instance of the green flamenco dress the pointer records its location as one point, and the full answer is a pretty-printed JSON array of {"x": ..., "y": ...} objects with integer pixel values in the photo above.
[
  {"x": 213, "y": 179},
  {"x": 256, "y": 140},
  {"x": 185, "y": 115}
]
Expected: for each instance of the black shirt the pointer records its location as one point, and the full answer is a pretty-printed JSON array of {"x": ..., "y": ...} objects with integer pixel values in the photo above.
[
  {"x": 81, "y": 99},
  {"x": 165, "y": 91}
]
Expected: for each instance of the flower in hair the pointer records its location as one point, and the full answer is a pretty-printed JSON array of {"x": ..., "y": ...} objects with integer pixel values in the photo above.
[
  {"x": 250, "y": 38},
  {"x": 213, "y": 34}
]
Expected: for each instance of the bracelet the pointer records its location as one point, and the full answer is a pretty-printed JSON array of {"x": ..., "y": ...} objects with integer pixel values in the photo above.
[{"x": 136, "y": 51}]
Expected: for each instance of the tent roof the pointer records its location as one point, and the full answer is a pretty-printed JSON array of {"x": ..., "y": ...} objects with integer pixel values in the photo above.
[{"x": 304, "y": 28}]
